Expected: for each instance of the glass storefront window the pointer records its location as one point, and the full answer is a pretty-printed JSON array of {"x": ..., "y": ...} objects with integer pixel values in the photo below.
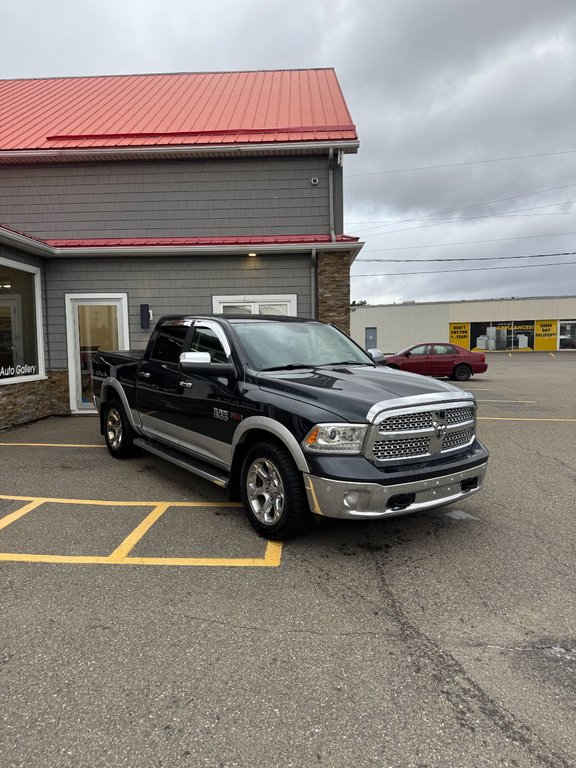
[
  {"x": 19, "y": 348},
  {"x": 567, "y": 334}
]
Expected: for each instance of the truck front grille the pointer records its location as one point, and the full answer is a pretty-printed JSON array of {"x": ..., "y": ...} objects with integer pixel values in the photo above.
[
  {"x": 458, "y": 439},
  {"x": 401, "y": 449},
  {"x": 422, "y": 432}
]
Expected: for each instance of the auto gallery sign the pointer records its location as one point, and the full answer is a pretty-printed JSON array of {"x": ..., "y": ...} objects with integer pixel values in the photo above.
[
  {"x": 520, "y": 335},
  {"x": 8, "y": 371}
]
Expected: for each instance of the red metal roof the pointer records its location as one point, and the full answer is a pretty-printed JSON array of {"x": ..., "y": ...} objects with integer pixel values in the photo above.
[
  {"x": 198, "y": 109},
  {"x": 240, "y": 240}
]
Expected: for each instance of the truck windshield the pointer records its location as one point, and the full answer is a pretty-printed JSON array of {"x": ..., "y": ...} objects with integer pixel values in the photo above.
[{"x": 273, "y": 345}]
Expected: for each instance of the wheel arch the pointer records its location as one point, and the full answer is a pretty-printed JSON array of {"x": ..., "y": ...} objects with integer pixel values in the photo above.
[
  {"x": 112, "y": 390},
  {"x": 259, "y": 429}
]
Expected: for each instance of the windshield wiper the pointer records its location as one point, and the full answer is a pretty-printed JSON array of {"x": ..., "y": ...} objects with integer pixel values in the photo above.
[
  {"x": 288, "y": 367},
  {"x": 346, "y": 362}
]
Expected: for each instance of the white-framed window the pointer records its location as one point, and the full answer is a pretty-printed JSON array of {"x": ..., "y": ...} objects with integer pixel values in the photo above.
[
  {"x": 256, "y": 304},
  {"x": 21, "y": 336}
]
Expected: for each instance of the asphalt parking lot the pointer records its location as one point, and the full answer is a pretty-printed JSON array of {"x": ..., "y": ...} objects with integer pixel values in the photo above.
[{"x": 143, "y": 622}]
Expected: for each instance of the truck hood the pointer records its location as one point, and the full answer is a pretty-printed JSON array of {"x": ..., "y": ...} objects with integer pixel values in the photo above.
[{"x": 351, "y": 391}]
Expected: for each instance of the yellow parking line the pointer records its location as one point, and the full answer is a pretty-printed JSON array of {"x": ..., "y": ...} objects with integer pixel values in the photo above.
[
  {"x": 5, "y": 521},
  {"x": 133, "y": 538},
  {"x": 18, "y": 557},
  {"x": 271, "y": 559},
  {"x": 112, "y": 503},
  {"x": 54, "y": 445},
  {"x": 530, "y": 402},
  {"x": 517, "y": 418}
]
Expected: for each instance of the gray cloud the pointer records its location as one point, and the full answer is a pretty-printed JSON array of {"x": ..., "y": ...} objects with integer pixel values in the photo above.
[{"x": 428, "y": 82}]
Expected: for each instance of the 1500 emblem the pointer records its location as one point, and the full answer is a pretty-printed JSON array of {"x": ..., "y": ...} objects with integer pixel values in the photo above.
[{"x": 220, "y": 414}]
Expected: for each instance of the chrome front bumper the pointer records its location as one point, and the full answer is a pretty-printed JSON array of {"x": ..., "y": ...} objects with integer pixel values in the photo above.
[{"x": 349, "y": 499}]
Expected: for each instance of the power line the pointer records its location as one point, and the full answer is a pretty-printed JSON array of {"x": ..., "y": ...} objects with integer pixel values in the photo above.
[
  {"x": 459, "y": 165},
  {"x": 516, "y": 211},
  {"x": 466, "y": 242},
  {"x": 467, "y": 207},
  {"x": 469, "y": 258},
  {"x": 472, "y": 269}
]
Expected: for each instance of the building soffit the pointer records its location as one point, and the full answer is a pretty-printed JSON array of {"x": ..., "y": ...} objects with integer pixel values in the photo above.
[{"x": 35, "y": 156}]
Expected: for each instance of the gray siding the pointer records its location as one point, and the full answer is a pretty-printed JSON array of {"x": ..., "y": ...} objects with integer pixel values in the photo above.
[
  {"x": 169, "y": 198},
  {"x": 168, "y": 285}
]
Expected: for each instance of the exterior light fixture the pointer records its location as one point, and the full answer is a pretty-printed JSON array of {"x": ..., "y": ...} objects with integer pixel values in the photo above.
[{"x": 252, "y": 254}]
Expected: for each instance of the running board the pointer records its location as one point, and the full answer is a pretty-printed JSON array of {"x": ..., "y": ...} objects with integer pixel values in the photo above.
[{"x": 200, "y": 468}]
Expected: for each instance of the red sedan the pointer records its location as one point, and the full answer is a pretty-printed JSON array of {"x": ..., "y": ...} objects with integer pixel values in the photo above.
[{"x": 434, "y": 359}]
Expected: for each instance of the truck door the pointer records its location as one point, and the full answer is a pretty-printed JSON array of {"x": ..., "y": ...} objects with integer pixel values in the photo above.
[
  {"x": 158, "y": 379},
  {"x": 214, "y": 406},
  {"x": 192, "y": 412}
]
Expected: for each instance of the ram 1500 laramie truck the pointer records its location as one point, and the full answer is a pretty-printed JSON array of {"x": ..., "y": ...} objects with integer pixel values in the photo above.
[{"x": 291, "y": 416}]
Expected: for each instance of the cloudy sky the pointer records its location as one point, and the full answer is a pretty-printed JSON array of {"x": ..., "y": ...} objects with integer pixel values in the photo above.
[{"x": 465, "y": 180}]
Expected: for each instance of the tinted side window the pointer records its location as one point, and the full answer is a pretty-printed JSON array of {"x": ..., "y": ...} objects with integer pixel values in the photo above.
[
  {"x": 169, "y": 343},
  {"x": 206, "y": 340},
  {"x": 445, "y": 349},
  {"x": 421, "y": 350}
]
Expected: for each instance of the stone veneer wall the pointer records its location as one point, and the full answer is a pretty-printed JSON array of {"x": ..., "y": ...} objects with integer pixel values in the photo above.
[
  {"x": 59, "y": 393},
  {"x": 333, "y": 292},
  {"x": 29, "y": 401}
]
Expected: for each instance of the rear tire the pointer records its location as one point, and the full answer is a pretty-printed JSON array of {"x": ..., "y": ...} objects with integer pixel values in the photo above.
[
  {"x": 461, "y": 373},
  {"x": 118, "y": 433},
  {"x": 273, "y": 492}
]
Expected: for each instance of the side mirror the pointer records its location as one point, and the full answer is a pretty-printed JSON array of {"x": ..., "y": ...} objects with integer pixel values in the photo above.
[{"x": 201, "y": 363}]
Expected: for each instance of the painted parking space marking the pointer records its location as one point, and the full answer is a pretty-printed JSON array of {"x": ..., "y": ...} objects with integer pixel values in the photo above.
[
  {"x": 525, "y": 418},
  {"x": 530, "y": 402},
  {"x": 54, "y": 445},
  {"x": 121, "y": 555},
  {"x": 121, "y": 552},
  {"x": 13, "y": 516}
]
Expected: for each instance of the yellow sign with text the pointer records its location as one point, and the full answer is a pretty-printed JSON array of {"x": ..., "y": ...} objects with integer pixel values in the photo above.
[
  {"x": 460, "y": 334},
  {"x": 546, "y": 335}
]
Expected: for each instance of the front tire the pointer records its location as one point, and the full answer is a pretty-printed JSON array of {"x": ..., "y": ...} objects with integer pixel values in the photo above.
[
  {"x": 461, "y": 373},
  {"x": 273, "y": 492},
  {"x": 118, "y": 433}
]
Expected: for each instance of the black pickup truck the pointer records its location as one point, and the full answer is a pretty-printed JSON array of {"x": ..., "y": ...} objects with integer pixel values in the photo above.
[{"x": 291, "y": 416}]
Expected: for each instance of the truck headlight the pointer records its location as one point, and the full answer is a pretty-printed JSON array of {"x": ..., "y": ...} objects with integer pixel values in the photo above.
[{"x": 335, "y": 438}]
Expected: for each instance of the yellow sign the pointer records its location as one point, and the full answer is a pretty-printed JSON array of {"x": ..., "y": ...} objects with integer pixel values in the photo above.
[
  {"x": 546, "y": 335},
  {"x": 460, "y": 334}
]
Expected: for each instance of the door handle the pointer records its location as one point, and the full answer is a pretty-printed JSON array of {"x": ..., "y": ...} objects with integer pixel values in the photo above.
[
  {"x": 185, "y": 384},
  {"x": 144, "y": 374}
]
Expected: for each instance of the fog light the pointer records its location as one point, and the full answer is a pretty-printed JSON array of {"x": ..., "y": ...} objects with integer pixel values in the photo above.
[{"x": 351, "y": 500}]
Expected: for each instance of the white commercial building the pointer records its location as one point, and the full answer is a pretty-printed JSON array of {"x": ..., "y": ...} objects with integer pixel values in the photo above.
[{"x": 533, "y": 324}]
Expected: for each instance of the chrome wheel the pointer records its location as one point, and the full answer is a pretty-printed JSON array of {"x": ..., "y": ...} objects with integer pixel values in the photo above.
[
  {"x": 114, "y": 432},
  {"x": 265, "y": 491}
]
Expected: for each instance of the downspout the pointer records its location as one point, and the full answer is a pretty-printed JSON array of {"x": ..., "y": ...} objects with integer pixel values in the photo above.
[
  {"x": 331, "y": 192},
  {"x": 313, "y": 283}
]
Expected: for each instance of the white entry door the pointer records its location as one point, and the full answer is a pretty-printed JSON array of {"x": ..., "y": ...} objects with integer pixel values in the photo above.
[{"x": 93, "y": 322}]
